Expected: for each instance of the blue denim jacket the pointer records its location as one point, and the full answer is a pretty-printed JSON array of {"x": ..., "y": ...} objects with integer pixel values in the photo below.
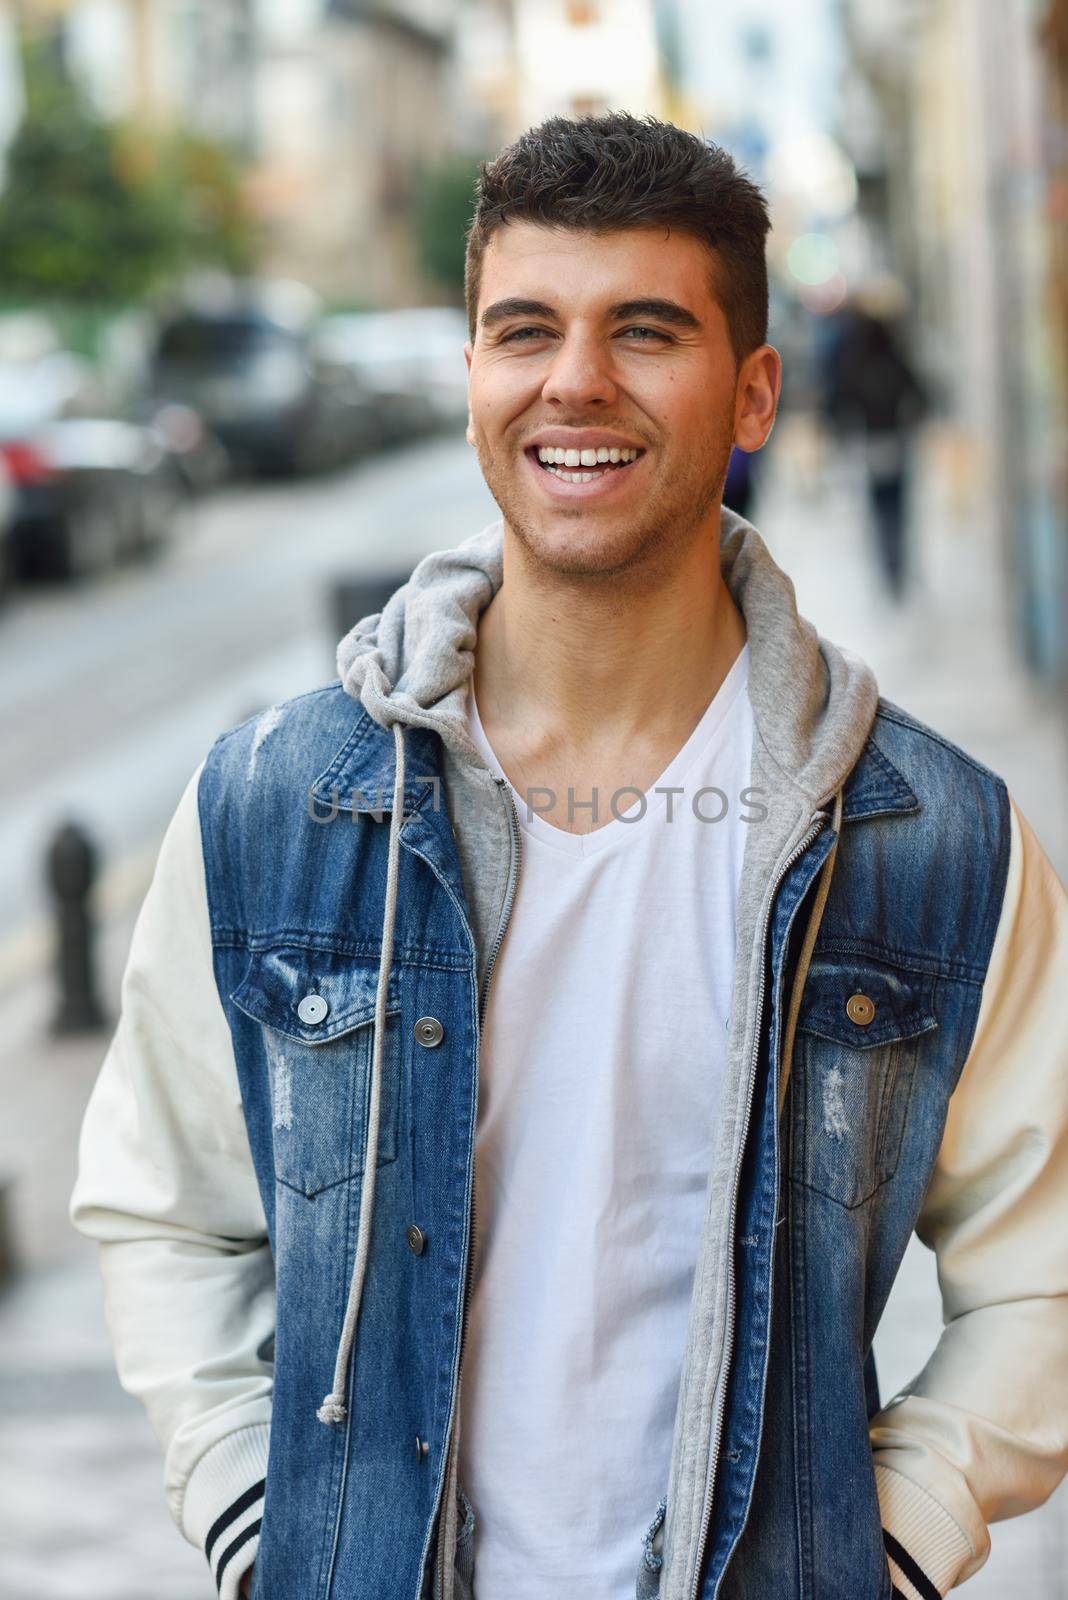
[{"x": 771, "y": 1488}]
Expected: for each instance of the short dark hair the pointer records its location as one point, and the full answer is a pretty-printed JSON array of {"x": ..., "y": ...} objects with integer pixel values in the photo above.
[{"x": 621, "y": 171}]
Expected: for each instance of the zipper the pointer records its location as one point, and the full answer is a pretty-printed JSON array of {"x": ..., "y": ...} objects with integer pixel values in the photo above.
[
  {"x": 728, "y": 1347},
  {"x": 506, "y": 911}
]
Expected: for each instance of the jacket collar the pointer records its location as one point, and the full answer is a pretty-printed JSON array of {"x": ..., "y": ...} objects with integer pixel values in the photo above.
[
  {"x": 876, "y": 788},
  {"x": 360, "y": 776},
  {"x": 362, "y": 772}
]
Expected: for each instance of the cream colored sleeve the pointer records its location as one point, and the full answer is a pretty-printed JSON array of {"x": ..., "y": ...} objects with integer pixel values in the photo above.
[
  {"x": 982, "y": 1432},
  {"x": 166, "y": 1185}
]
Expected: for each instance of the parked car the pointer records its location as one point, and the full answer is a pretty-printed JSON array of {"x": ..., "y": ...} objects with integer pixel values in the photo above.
[
  {"x": 200, "y": 458},
  {"x": 244, "y": 359},
  {"x": 410, "y": 361},
  {"x": 90, "y": 488}
]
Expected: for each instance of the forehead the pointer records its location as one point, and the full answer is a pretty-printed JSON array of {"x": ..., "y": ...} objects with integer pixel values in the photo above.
[{"x": 575, "y": 270}]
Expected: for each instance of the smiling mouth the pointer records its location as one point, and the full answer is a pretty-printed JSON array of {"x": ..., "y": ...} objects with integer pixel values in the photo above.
[{"x": 583, "y": 466}]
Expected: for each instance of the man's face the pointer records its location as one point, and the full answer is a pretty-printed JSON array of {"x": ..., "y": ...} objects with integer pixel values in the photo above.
[{"x": 603, "y": 342}]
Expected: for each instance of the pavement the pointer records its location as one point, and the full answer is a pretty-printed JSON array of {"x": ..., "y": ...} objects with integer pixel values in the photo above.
[{"x": 81, "y": 1502}]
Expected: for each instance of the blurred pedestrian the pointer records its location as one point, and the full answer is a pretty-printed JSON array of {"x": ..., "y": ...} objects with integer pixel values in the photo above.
[{"x": 872, "y": 393}]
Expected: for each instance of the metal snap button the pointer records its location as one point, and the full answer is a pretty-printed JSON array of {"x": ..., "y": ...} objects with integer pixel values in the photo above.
[
  {"x": 312, "y": 1010},
  {"x": 416, "y": 1240},
  {"x": 429, "y": 1032},
  {"x": 421, "y": 1448},
  {"x": 860, "y": 1009}
]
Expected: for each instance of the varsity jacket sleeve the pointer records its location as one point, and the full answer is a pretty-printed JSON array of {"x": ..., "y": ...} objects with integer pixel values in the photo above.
[
  {"x": 982, "y": 1432},
  {"x": 166, "y": 1184}
]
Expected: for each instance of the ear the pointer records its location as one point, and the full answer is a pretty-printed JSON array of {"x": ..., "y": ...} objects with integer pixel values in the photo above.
[{"x": 757, "y": 397}]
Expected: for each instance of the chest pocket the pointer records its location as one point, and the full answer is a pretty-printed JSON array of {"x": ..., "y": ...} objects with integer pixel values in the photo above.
[
  {"x": 316, "y": 1010},
  {"x": 860, "y": 1029}
]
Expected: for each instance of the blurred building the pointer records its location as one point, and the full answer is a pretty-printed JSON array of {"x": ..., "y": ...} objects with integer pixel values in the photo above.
[
  {"x": 485, "y": 96},
  {"x": 955, "y": 114},
  {"x": 581, "y": 57},
  {"x": 753, "y": 74},
  {"x": 352, "y": 105},
  {"x": 340, "y": 107},
  {"x": 168, "y": 61}
]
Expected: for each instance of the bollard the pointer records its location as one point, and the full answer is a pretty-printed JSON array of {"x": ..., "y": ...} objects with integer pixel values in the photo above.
[
  {"x": 9, "y": 1261},
  {"x": 71, "y": 865},
  {"x": 353, "y": 598}
]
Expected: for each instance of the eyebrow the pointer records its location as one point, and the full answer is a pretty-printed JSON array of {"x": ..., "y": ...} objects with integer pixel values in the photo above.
[
  {"x": 501, "y": 310},
  {"x": 655, "y": 310}
]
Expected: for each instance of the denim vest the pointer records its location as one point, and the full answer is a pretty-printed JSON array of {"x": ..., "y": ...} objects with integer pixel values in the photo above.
[{"x": 825, "y": 1207}]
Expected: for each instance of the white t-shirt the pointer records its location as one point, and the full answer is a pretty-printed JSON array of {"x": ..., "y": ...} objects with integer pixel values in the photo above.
[{"x": 599, "y": 1076}]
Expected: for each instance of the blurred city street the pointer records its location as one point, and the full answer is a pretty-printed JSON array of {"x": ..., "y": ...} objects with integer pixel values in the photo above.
[
  {"x": 80, "y": 1473},
  {"x": 117, "y": 691},
  {"x": 233, "y": 305}
]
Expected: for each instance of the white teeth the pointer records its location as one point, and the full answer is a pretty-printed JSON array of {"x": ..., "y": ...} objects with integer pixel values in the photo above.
[{"x": 553, "y": 456}]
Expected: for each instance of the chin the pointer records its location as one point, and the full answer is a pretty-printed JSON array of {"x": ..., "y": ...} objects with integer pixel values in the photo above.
[{"x": 584, "y": 545}]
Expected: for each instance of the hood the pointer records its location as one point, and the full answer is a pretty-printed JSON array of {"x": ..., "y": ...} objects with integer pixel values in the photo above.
[
  {"x": 813, "y": 707},
  {"x": 813, "y": 702}
]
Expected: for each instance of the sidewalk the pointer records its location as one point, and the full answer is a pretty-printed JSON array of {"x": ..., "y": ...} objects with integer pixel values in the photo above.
[
  {"x": 81, "y": 1474},
  {"x": 80, "y": 1471}
]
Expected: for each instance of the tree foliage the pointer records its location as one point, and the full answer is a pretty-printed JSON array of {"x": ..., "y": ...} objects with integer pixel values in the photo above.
[
  {"x": 444, "y": 206},
  {"x": 106, "y": 211}
]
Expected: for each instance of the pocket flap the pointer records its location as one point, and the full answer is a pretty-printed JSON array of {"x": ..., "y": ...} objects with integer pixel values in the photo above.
[
  {"x": 276, "y": 981},
  {"x": 900, "y": 1001}
]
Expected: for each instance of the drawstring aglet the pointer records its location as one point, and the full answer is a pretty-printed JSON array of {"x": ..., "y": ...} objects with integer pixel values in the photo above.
[{"x": 331, "y": 1409}]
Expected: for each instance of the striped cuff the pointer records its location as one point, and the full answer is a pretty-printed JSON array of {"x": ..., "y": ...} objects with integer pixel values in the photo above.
[
  {"x": 223, "y": 1506},
  {"x": 925, "y": 1547}
]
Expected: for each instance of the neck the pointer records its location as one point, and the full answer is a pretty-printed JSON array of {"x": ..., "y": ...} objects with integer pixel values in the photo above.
[{"x": 591, "y": 664}]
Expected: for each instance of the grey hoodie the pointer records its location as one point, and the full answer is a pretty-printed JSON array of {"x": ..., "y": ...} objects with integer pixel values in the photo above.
[{"x": 813, "y": 706}]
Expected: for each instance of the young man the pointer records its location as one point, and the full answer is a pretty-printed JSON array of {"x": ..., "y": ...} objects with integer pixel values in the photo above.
[{"x": 538, "y": 1048}]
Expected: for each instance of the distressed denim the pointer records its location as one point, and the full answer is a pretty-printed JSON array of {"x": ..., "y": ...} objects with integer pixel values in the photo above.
[{"x": 826, "y": 1201}]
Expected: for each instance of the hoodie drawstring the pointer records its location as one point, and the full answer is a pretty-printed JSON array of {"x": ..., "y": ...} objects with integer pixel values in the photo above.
[
  {"x": 333, "y": 1406},
  {"x": 806, "y": 951}
]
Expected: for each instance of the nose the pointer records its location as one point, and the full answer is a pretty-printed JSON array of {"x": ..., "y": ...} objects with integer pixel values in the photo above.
[{"x": 580, "y": 374}]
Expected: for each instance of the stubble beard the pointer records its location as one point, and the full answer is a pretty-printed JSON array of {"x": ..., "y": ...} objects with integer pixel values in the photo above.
[{"x": 568, "y": 545}]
